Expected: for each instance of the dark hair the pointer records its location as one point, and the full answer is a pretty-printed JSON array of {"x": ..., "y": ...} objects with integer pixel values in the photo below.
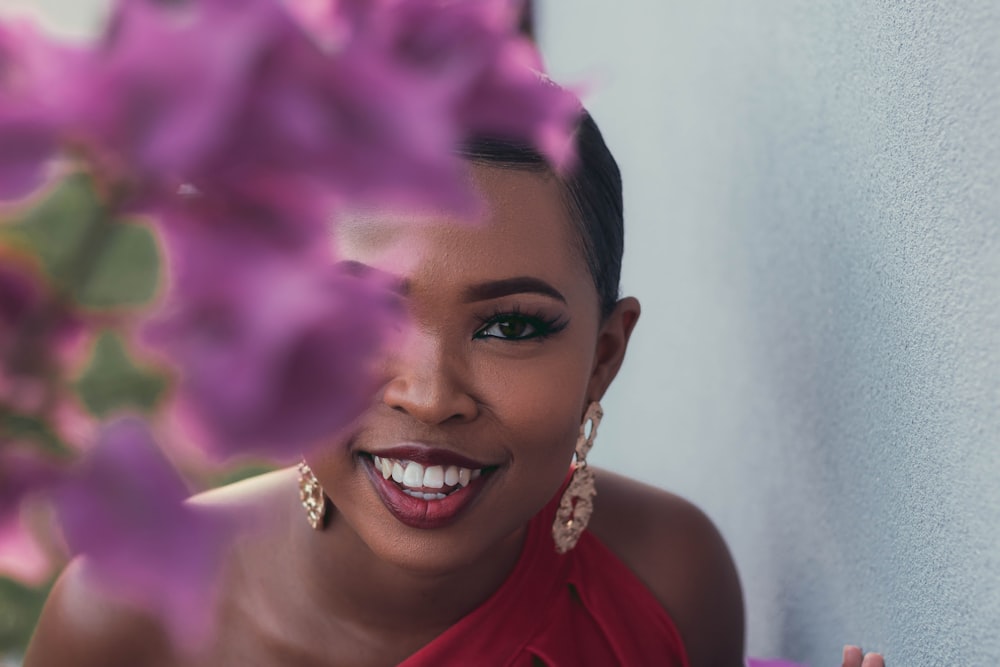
[{"x": 593, "y": 192}]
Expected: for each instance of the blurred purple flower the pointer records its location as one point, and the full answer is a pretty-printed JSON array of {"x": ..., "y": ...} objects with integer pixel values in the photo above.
[
  {"x": 160, "y": 93},
  {"x": 364, "y": 100},
  {"x": 21, "y": 298},
  {"x": 246, "y": 98},
  {"x": 37, "y": 335},
  {"x": 464, "y": 63},
  {"x": 488, "y": 74},
  {"x": 21, "y": 558},
  {"x": 29, "y": 133},
  {"x": 24, "y": 473},
  {"x": 123, "y": 509},
  {"x": 276, "y": 350}
]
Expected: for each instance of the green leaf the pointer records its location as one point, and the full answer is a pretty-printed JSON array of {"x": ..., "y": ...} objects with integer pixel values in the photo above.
[
  {"x": 240, "y": 473},
  {"x": 127, "y": 272},
  {"x": 26, "y": 428},
  {"x": 55, "y": 228},
  {"x": 113, "y": 380},
  {"x": 20, "y": 608},
  {"x": 101, "y": 262}
]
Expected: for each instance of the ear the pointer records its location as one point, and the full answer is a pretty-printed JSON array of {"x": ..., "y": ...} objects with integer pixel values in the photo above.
[{"x": 612, "y": 340}]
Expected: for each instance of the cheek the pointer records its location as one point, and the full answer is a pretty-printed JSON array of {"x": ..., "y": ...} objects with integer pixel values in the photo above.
[
  {"x": 538, "y": 400},
  {"x": 541, "y": 427}
]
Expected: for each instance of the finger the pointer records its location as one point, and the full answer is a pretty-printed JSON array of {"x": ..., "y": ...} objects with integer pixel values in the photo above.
[
  {"x": 873, "y": 660},
  {"x": 852, "y": 656}
]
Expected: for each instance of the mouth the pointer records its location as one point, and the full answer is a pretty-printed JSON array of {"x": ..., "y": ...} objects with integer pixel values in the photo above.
[{"x": 431, "y": 492}]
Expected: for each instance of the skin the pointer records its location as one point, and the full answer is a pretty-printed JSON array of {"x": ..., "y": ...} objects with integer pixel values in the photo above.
[{"x": 369, "y": 590}]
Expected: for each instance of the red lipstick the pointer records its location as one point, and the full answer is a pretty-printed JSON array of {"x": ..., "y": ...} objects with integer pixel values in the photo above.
[
  {"x": 418, "y": 512},
  {"x": 428, "y": 456}
]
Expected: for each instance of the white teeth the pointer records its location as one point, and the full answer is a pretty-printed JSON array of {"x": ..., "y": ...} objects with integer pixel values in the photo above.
[
  {"x": 434, "y": 477},
  {"x": 424, "y": 496},
  {"x": 414, "y": 475}
]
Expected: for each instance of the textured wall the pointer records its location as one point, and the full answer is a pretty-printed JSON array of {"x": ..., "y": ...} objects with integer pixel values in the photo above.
[{"x": 813, "y": 202}]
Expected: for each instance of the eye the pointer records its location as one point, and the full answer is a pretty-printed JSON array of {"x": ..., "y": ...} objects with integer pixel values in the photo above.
[
  {"x": 516, "y": 326},
  {"x": 510, "y": 328}
]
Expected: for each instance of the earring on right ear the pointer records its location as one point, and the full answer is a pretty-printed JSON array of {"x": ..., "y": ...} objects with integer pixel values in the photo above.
[
  {"x": 312, "y": 497},
  {"x": 577, "y": 502}
]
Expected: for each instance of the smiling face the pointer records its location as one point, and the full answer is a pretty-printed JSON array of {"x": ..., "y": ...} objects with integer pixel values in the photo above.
[{"x": 474, "y": 428}]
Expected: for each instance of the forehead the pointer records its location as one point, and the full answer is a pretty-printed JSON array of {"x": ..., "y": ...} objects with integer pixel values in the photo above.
[{"x": 525, "y": 231}]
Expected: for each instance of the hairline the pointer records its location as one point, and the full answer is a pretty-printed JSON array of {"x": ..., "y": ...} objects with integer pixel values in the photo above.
[{"x": 580, "y": 233}]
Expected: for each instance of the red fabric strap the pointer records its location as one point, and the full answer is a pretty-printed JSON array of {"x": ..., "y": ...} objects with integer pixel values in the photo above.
[{"x": 583, "y": 608}]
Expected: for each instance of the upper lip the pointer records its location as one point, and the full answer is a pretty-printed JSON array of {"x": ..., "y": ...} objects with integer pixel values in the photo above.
[{"x": 427, "y": 455}]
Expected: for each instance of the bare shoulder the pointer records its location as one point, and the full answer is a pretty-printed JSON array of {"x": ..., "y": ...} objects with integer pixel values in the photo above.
[
  {"x": 679, "y": 554},
  {"x": 82, "y": 626},
  {"x": 261, "y": 492}
]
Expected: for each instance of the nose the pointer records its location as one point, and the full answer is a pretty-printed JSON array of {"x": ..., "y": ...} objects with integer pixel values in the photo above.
[{"x": 428, "y": 381}]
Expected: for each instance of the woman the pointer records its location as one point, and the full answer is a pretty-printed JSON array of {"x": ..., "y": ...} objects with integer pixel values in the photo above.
[{"x": 432, "y": 534}]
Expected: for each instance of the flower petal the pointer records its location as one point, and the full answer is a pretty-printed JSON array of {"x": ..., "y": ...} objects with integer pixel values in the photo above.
[
  {"x": 21, "y": 558},
  {"x": 24, "y": 473},
  {"x": 124, "y": 510},
  {"x": 28, "y": 128},
  {"x": 277, "y": 349}
]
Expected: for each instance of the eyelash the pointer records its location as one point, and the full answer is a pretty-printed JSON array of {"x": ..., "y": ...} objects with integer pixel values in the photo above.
[{"x": 542, "y": 327}]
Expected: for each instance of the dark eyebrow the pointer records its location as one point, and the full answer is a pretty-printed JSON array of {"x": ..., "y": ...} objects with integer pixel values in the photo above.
[
  {"x": 484, "y": 291},
  {"x": 361, "y": 270},
  {"x": 494, "y": 289}
]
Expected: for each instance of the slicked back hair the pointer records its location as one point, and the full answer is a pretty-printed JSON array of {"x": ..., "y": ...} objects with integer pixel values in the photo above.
[{"x": 593, "y": 195}]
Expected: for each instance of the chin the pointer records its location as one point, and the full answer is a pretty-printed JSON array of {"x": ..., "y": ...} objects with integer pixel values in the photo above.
[{"x": 430, "y": 554}]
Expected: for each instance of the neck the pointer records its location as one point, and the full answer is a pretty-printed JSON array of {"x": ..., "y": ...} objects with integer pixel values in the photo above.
[{"x": 350, "y": 581}]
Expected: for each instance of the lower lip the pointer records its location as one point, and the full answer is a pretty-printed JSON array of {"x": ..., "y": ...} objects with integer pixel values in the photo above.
[{"x": 417, "y": 512}]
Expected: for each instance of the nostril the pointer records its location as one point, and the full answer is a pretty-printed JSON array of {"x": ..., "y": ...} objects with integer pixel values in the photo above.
[{"x": 427, "y": 382}]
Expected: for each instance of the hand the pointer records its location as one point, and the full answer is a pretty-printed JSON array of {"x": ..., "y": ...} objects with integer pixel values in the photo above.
[{"x": 853, "y": 657}]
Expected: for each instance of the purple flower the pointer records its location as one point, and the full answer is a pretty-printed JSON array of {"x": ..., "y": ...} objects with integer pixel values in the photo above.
[
  {"x": 28, "y": 129},
  {"x": 24, "y": 473},
  {"x": 123, "y": 509},
  {"x": 161, "y": 91},
  {"x": 21, "y": 298},
  {"x": 245, "y": 99},
  {"x": 489, "y": 75},
  {"x": 368, "y": 100},
  {"x": 276, "y": 349},
  {"x": 21, "y": 558},
  {"x": 37, "y": 335},
  {"x": 441, "y": 73}
]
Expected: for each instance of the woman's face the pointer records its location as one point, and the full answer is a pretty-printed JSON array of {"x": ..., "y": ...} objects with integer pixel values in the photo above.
[{"x": 474, "y": 427}]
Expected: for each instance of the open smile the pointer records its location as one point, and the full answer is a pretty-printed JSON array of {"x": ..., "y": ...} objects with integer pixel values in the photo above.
[{"x": 427, "y": 494}]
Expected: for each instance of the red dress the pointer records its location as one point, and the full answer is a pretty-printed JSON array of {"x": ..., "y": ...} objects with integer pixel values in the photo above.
[{"x": 579, "y": 609}]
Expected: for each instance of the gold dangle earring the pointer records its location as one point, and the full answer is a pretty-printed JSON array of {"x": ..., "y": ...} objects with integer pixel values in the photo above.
[
  {"x": 312, "y": 496},
  {"x": 577, "y": 502}
]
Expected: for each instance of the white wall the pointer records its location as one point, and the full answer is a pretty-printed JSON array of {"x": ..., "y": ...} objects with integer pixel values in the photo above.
[
  {"x": 813, "y": 227},
  {"x": 68, "y": 18}
]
